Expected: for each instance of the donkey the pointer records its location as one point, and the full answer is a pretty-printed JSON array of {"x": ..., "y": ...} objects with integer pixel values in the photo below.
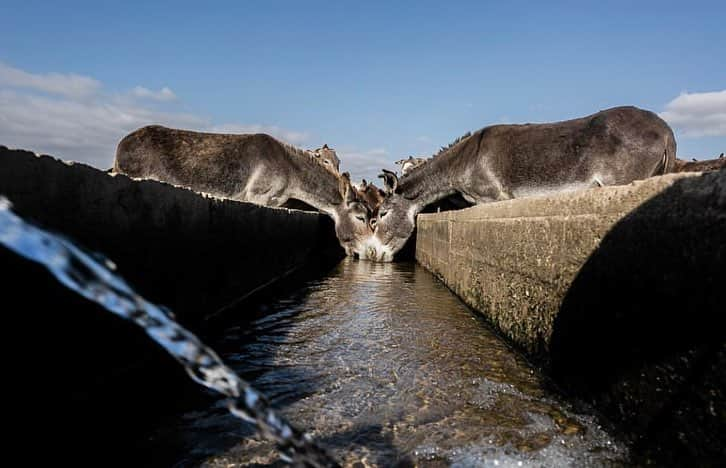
[
  {"x": 327, "y": 157},
  {"x": 253, "y": 168},
  {"x": 611, "y": 147},
  {"x": 700, "y": 166},
  {"x": 407, "y": 165},
  {"x": 371, "y": 195}
]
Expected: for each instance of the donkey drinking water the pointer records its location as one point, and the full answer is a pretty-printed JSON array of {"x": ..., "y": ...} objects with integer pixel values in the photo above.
[
  {"x": 611, "y": 147},
  {"x": 254, "y": 168}
]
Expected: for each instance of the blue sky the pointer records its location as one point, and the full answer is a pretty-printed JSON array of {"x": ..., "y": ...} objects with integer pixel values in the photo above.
[{"x": 376, "y": 81}]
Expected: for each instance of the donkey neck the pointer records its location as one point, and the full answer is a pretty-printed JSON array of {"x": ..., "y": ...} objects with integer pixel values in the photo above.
[
  {"x": 430, "y": 182},
  {"x": 315, "y": 185},
  {"x": 324, "y": 200}
]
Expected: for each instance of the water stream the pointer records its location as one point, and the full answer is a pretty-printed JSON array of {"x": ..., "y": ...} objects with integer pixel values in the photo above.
[{"x": 386, "y": 366}]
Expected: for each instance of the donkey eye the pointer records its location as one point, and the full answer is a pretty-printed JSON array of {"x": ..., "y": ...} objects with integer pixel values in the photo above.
[
  {"x": 361, "y": 218},
  {"x": 383, "y": 213}
]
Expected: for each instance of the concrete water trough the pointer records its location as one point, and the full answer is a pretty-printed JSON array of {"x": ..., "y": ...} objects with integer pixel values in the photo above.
[{"x": 617, "y": 292}]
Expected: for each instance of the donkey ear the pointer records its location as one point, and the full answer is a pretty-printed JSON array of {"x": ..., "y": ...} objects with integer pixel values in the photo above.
[
  {"x": 390, "y": 181},
  {"x": 325, "y": 146},
  {"x": 351, "y": 194}
]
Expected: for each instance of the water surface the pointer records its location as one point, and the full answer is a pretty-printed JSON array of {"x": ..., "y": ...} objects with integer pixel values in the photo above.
[{"x": 384, "y": 365}]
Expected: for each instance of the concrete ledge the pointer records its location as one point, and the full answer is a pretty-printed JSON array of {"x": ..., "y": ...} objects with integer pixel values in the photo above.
[
  {"x": 190, "y": 252},
  {"x": 618, "y": 291}
]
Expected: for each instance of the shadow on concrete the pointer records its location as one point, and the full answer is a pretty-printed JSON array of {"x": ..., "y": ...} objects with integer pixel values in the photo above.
[
  {"x": 87, "y": 384},
  {"x": 450, "y": 203},
  {"x": 82, "y": 379},
  {"x": 192, "y": 253},
  {"x": 641, "y": 332}
]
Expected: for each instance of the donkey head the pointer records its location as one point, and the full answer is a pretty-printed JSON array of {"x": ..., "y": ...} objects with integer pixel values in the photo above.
[
  {"x": 392, "y": 222},
  {"x": 328, "y": 158},
  {"x": 352, "y": 219}
]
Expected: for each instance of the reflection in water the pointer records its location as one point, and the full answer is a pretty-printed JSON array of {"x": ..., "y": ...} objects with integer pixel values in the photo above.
[{"x": 386, "y": 365}]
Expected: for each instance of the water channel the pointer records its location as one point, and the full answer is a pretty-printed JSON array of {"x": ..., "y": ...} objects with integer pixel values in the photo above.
[{"x": 385, "y": 366}]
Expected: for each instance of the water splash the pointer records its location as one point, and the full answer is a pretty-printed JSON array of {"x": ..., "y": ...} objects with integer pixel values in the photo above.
[{"x": 94, "y": 279}]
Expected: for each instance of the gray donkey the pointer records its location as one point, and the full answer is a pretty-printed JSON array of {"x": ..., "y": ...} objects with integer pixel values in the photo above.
[
  {"x": 611, "y": 147},
  {"x": 254, "y": 168}
]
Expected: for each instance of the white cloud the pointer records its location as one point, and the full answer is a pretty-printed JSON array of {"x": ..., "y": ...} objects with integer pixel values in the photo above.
[
  {"x": 288, "y": 136},
  {"x": 697, "y": 114},
  {"x": 68, "y": 116},
  {"x": 70, "y": 85},
  {"x": 164, "y": 94},
  {"x": 75, "y": 129}
]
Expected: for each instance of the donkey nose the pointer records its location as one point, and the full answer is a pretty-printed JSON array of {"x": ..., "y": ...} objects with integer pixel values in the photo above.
[{"x": 371, "y": 253}]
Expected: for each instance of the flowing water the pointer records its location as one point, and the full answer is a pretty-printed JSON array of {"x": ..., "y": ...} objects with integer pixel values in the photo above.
[
  {"x": 386, "y": 366},
  {"x": 380, "y": 362}
]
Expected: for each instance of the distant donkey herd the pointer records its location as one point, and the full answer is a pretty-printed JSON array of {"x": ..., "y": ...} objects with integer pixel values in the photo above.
[{"x": 612, "y": 147}]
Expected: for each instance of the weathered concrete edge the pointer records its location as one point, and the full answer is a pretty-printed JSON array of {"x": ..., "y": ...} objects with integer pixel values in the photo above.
[{"x": 543, "y": 240}]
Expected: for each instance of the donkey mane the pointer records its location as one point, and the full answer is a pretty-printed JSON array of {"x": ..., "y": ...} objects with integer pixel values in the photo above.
[
  {"x": 300, "y": 152},
  {"x": 294, "y": 149},
  {"x": 288, "y": 147},
  {"x": 444, "y": 149}
]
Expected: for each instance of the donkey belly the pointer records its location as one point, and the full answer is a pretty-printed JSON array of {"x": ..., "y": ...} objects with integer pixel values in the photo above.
[
  {"x": 489, "y": 185},
  {"x": 547, "y": 189}
]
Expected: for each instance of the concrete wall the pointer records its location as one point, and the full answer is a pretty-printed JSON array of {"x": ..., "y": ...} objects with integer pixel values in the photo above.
[
  {"x": 619, "y": 291},
  {"x": 190, "y": 252},
  {"x": 85, "y": 375}
]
